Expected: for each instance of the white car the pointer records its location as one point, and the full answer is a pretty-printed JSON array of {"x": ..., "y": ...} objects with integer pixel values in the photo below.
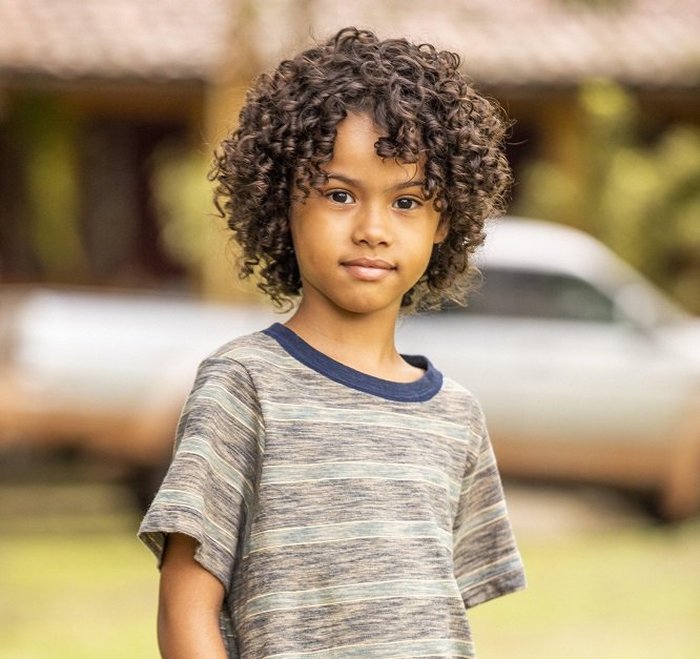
[
  {"x": 585, "y": 371},
  {"x": 106, "y": 373}
]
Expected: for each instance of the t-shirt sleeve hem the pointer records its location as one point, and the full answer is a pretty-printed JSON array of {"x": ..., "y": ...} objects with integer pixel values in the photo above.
[
  {"x": 507, "y": 583},
  {"x": 155, "y": 528}
]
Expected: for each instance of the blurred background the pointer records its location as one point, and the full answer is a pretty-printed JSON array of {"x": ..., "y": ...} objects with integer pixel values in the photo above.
[{"x": 116, "y": 277}]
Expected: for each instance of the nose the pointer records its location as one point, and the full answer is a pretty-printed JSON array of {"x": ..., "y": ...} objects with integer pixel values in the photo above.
[{"x": 372, "y": 226}]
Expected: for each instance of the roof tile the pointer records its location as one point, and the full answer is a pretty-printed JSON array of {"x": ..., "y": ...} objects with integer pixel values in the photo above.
[{"x": 508, "y": 43}]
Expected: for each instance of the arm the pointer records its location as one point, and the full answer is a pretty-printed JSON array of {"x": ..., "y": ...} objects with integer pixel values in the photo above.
[
  {"x": 485, "y": 555},
  {"x": 206, "y": 494},
  {"x": 189, "y": 603}
]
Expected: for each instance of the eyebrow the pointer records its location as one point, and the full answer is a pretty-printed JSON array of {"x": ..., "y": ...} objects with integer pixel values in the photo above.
[{"x": 417, "y": 183}]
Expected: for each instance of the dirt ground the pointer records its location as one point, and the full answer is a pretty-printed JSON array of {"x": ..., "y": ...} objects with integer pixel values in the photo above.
[{"x": 543, "y": 509}]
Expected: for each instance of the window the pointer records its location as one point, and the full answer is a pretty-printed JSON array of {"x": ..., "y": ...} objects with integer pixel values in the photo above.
[{"x": 517, "y": 293}]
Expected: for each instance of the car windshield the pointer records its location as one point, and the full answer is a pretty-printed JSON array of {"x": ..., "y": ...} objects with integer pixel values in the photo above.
[
  {"x": 521, "y": 293},
  {"x": 517, "y": 293}
]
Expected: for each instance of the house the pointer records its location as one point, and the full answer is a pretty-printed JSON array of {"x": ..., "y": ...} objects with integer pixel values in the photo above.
[{"x": 93, "y": 92}]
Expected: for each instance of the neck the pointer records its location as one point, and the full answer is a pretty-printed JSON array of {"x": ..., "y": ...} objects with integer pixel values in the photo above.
[{"x": 364, "y": 342}]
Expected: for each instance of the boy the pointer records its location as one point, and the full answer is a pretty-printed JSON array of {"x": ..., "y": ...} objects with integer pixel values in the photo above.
[{"x": 330, "y": 497}]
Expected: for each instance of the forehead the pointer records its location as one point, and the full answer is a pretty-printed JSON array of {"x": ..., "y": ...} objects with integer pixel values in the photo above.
[{"x": 355, "y": 152}]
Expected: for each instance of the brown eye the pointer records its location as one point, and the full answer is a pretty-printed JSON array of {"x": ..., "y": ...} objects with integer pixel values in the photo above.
[
  {"x": 406, "y": 203},
  {"x": 340, "y": 197}
]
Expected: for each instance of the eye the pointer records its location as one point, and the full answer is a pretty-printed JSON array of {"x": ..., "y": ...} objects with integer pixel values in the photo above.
[
  {"x": 407, "y": 203},
  {"x": 340, "y": 197}
]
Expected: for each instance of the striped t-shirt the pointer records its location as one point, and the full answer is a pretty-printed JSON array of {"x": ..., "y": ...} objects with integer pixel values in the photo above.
[{"x": 346, "y": 515}]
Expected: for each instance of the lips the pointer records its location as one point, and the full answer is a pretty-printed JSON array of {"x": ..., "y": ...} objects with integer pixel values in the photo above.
[
  {"x": 367, "y": 269},
  {"x": 370, "y": 263}
]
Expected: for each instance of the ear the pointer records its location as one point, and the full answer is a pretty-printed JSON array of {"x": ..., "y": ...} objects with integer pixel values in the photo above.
[{"x": 443, "y": 228}]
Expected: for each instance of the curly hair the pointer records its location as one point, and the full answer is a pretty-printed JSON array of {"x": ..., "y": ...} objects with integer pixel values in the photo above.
[{"x": 426, "y": 107}]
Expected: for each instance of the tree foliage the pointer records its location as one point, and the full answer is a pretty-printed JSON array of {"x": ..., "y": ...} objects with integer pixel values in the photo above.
[
  {"x": 52, "y": 188},
  {"x": 642, "y": 200}
]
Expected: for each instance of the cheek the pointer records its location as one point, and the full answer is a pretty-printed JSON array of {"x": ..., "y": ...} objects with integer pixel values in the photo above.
[
  {"x": 420, "y": 258},
  {"x": 312, "y": 257},
  {"x": 424, "y": 246}
]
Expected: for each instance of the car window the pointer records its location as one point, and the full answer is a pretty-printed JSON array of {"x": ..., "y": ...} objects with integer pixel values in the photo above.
[{"x": 517, "y": 293}]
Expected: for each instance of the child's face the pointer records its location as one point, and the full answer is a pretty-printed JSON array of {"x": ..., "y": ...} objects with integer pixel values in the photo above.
[{"x": 366, "y": 238}]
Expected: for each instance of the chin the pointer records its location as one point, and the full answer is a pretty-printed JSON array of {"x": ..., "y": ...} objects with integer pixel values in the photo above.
[{"x": 366, "y": 305}]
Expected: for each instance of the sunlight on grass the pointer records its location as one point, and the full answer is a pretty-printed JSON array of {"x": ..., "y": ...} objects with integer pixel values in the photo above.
[
  {"x": 617, "y": 594},
  {"x": 630, "y": 594},
  {"x": 77, "y": 597}
]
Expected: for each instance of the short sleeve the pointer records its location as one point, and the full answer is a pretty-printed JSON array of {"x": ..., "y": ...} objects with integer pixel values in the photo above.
[
  {"x": 486, "y": 559},
  {"x": 209, "y": 488}
]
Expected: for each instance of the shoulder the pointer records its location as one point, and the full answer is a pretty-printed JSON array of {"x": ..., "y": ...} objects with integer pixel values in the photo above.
[
  {"x": 454, "y": 388},
  {"x": 245, "y": 354},
  {"x": 244, "y": 363},
  {"x": 460, "y": 404},
  {"x": 244, "y": 349},
  {"x": 459, "y": 395},
  {"x": 225, "y": 388},
  {"x": 231, "y": 363}
]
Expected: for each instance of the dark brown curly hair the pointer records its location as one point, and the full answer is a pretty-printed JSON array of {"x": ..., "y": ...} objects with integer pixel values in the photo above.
[{"x": 427, "y": 109}]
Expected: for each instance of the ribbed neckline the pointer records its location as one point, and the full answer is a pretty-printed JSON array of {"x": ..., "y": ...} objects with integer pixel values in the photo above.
[{"x": 420, "y": 390}]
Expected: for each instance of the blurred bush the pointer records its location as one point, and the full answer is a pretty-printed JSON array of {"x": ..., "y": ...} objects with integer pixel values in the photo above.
[
  {"x": 52, "y": 185},
  {"x": 191, "y": 231},
  {"x": 184, "y": 198}
]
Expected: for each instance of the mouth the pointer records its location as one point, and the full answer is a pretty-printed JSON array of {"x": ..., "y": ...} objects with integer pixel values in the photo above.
[
  {"x": 380, "y": 264},
  {"x": 367, "y": 269}
]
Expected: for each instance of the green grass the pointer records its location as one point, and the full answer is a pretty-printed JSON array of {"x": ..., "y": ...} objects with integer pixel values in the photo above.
[
  {"x": 76, "y": 596},
  {"x": 619, "y": 594},
  {"x": 629, "y": 594}
]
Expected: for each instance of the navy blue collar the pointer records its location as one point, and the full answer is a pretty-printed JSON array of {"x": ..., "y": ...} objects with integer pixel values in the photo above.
[{"x": 420, "y": 390}]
